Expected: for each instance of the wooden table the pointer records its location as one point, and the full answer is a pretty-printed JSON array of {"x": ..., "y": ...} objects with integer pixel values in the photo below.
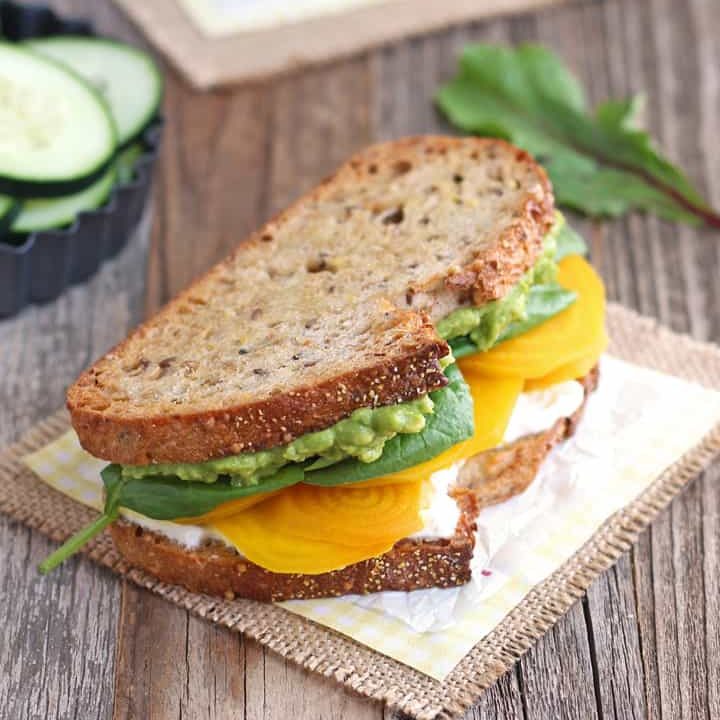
[{"x": 645, "y": 642}]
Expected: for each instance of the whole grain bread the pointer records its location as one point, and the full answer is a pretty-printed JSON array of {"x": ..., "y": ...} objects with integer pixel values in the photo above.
[
  {"x": 327, "y": 308},
  {"x": 413, "y": 563}
]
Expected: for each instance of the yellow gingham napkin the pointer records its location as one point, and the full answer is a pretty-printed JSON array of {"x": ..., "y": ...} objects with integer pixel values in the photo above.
[{"x": 636, "y": 425}]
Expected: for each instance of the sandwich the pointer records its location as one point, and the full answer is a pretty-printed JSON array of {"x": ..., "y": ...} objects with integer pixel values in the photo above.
[{"x": 328, "y": 409}]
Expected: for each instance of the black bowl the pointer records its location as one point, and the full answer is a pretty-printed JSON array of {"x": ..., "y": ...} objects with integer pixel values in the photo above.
[{"x": 38, "y": 267}]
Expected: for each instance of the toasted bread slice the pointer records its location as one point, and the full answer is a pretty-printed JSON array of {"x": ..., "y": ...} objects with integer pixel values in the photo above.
[
  {"x": 326, "y": 309},
  {"x": 488, "y": 478}
]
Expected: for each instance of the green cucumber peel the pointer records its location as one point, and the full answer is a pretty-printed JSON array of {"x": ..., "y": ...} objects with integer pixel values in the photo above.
[{"x": 126, "y": 160}]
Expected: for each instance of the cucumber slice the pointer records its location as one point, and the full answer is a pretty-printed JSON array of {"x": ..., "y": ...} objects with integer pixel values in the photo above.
[
  {"x": 126, "y": 162},
  {"x": 48, "y": 213},
  {"x": 9, "y": 208},
  {"x": 56, "y": 134},
  {"x": 128, "y": 78}
]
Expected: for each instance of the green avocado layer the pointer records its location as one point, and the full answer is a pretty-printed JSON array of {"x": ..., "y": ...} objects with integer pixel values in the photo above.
[
  {"x": 485, "y": 324},
  {"x": 362, "y": 435}
]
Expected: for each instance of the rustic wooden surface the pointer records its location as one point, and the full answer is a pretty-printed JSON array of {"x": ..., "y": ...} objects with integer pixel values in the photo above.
[{"x": 645, "y": 642}]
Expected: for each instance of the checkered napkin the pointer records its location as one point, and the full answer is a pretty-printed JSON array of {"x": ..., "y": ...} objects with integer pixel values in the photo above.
[{"x": 637, "y": 424}]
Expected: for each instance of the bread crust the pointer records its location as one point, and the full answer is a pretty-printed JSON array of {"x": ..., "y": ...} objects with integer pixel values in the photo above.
[
  {"x": 217, "y": 570},
  {"x": 497, "y": 475},
  {"x": 196, "y": 437},
  {"x": 495, "y": 269},
  {"x": 136, "y": 439},
  {"x": 412, "y": 564}
]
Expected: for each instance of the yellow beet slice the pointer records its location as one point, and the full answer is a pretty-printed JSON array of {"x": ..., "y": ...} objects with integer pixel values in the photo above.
[
  {"x": 571, "y": 335},
  {"x": 233, "y": 507},
  {"x": 493, "y": 401},
  {"x": 572, "y": 371},
  {"x": 277, "y": 551},
  {"x": 354, "y": 517}
]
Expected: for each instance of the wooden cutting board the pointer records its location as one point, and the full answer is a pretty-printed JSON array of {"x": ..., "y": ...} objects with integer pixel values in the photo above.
[{"x": 212, "y": 49}]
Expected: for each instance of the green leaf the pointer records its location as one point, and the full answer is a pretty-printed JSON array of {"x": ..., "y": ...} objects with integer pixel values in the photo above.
[
  {"x": 168, "y": 498},
  {"x": 623, "y": 113},
  {"x": 462, "y": 346},
  {"x": 599, "y": 164},
  {"x": 451, "y": 423},
  {"x": 569, "y": 242},
  {"x": 126, "y": 162},
  {"x": 73, "y": 545},
  {"x": 544, "y": 302},
  {"x": 80, "y": 538}
]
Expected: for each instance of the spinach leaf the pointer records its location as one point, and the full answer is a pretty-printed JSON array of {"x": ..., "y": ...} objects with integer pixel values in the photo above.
[
  {"x": 72, "y": 545},
  {"x": 162, "y": 498},
  {"x": 462, "y": 346},
  {"x": 451, "y": 423},
  {"x": 599, "y": 163},
  {"x": 569, "y": 242},
  {"x": 544, "y": 301},
  {"x": 168, "y": 498}
]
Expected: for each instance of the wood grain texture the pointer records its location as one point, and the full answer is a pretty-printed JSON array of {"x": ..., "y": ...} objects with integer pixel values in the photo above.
[
  {"x": 58, "y": 632},
  {"x": 644, "y": 643}
]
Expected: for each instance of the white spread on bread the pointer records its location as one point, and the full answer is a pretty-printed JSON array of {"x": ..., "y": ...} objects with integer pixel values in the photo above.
[
  {"x": 189, "y": 536},
  {"x": 534, "y": 412},
  {"x": 441, "y": 515},
  {"x": 539, "y": 410}
]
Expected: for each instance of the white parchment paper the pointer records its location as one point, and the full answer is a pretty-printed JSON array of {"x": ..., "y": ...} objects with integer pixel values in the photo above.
[{"x": 636, "y": 424}]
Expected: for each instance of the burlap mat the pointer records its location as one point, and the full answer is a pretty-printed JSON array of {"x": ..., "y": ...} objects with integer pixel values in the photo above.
[
  {"x": 634, "y": 338},
  {"x": 208, "y": 61}
]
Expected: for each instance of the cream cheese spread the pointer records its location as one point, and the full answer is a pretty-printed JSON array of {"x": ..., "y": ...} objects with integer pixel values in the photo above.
[{"x": 534, "y": 412}]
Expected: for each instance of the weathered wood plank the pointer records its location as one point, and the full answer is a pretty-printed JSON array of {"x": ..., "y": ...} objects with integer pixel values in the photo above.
[
  {"x": 688, "y": 589},
  {"x": 58, "y": 648},
  {"x": 57, "y": 654},
  {"x": 615, "y": 643},
  {"x": 556, "y": 675},
  {"x": 668, "y": 560},
  {"x": 504, "y": 700},
  {"x": 710, "y": 504},
  {"x": 211, "y": 182},
  {"x": 290, "y": 692},
  {"x": 319, "y": 119}
]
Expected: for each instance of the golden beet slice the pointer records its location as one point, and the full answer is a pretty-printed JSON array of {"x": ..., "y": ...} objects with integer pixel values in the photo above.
[{"x": 576, "y": 333}]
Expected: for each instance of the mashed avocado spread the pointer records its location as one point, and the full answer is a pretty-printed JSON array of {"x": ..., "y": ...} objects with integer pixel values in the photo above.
[
  {"x": 485, "y": 324},
  {"x": 362, "y": 435}
]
